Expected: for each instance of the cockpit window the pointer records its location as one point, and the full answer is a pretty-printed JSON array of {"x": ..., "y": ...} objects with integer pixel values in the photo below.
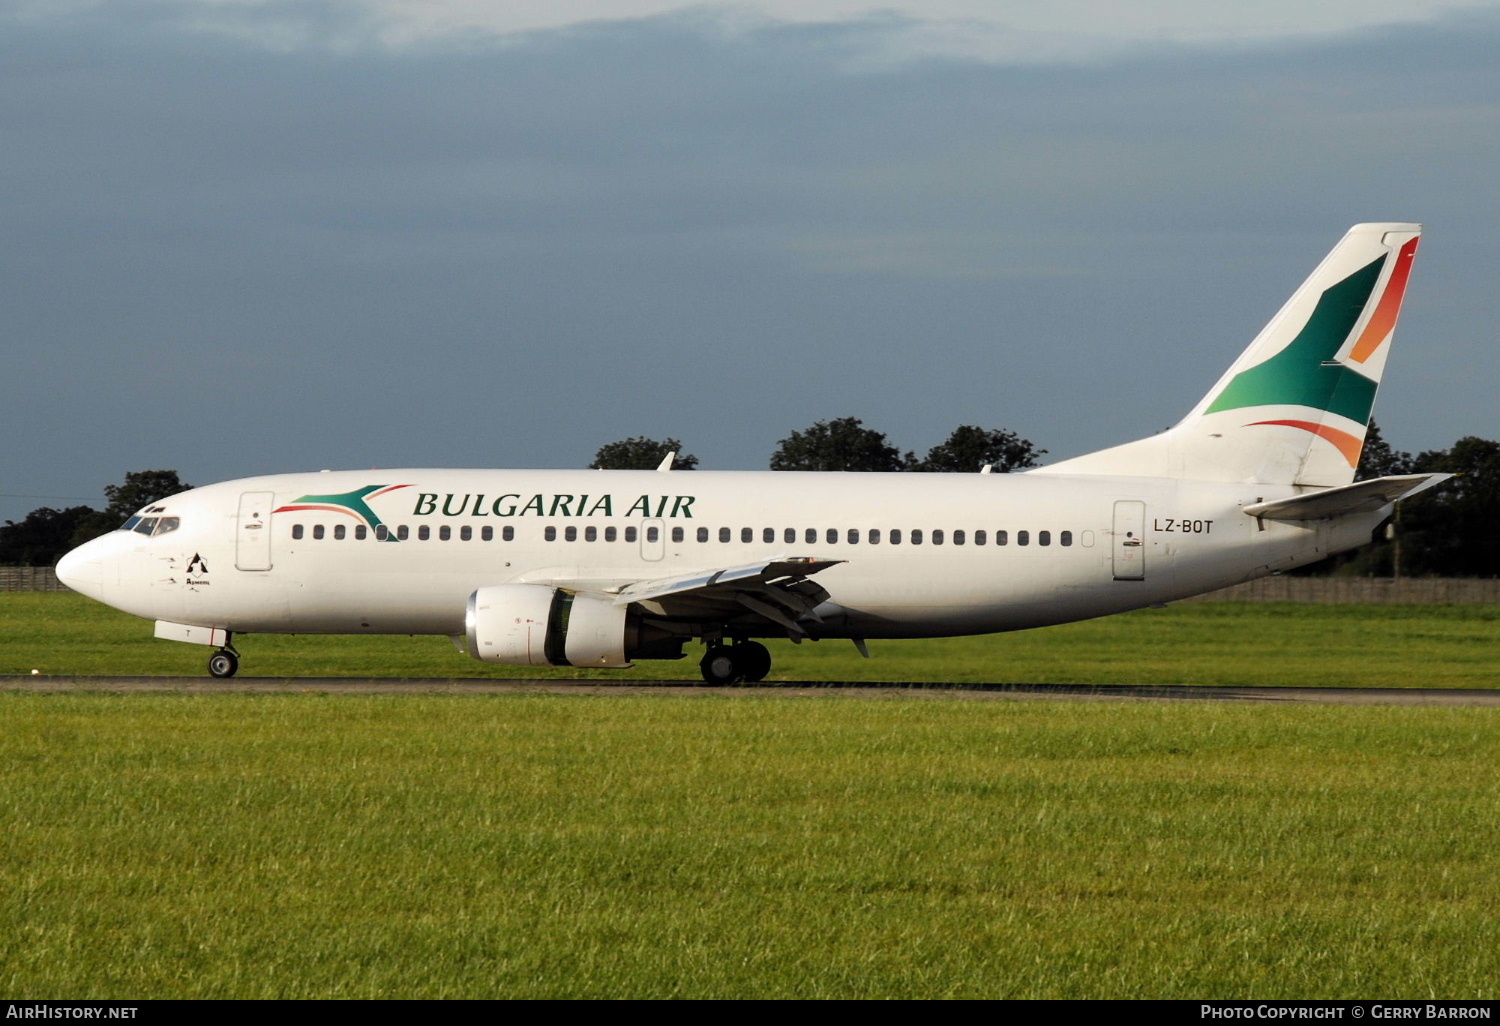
[{"x": 151, "y": 525}]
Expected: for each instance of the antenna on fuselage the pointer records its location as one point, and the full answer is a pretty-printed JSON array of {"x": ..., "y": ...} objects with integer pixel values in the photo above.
[{"x": 667, "y": 461}]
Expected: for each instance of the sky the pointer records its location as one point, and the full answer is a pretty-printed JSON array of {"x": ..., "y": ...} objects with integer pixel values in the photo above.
[{"x": 255, "y": 236}]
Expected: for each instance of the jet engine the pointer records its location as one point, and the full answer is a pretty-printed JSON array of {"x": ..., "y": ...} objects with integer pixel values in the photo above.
[{"x": 534, "y": 625}]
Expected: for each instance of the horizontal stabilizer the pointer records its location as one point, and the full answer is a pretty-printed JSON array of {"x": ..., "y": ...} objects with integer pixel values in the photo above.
[{"x": 1360, "y": 497}]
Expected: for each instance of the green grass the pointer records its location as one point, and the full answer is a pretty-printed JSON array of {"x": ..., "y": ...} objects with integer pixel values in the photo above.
[
  {"x": 743, "y": 845},
  {"x": 1192, "y": 643}
]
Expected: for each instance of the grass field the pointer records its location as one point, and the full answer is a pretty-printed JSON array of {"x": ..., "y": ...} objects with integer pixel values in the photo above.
[
  {"x": 754, "y": 844},
  {"x": 744, "y": 845},
  {"x": 1190, "y": 643}
]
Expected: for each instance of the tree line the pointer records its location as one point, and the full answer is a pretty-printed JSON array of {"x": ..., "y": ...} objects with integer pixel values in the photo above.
[
  {"x": 1450, "y": 531},
  {"x": 846, "y": 444}
]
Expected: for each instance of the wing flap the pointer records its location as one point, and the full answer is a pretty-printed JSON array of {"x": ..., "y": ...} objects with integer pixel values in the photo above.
[
  {"x": 778, "y": 590},
  {"x": 1360, "y": 497},
  {"x": 782, "y": 574}
]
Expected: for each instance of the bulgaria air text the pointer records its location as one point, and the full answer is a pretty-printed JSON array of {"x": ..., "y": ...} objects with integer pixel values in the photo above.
[{"x": 513, "y": 504}]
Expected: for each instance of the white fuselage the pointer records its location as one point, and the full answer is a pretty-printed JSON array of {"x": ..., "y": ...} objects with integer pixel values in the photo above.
[{"x": 1075, "y": 546}]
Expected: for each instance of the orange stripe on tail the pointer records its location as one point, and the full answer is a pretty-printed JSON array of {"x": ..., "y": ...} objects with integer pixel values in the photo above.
[
  {"x": 1343, "y": 441},
  {"x": 1383, "y": 321}
]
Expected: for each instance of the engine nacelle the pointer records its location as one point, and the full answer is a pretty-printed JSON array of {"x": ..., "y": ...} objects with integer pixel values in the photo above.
[{"x": 534, "y": 625}]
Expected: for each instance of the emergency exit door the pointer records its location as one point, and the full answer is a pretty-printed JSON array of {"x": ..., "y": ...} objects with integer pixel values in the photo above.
[
  {"x": 252, "y": 535},
  {"x": 1130, "y": 541}
]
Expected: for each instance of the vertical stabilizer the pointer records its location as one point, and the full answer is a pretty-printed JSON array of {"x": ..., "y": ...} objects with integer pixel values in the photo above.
[{"x": 1293, "y": 409}]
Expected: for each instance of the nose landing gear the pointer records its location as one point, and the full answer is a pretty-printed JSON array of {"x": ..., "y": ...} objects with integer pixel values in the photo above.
[{"x": 747, "y": 661}]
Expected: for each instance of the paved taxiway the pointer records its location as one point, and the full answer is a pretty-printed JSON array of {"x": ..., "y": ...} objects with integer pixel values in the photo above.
[{"x": 482, "y": 686}]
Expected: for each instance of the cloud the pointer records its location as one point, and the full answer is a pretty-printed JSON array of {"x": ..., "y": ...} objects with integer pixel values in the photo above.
[{"x": 228, "y": 256}]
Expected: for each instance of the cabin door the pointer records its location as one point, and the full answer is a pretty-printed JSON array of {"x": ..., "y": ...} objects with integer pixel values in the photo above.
[
  {"x": 252, "y": 535},
  {"x": 653, "y": 540},
  {"x": 1130, "y": 541}
]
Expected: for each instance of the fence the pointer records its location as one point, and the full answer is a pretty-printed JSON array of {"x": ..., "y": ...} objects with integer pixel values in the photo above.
[
  {"x": 29, "y": 578},
  {"x": 1328, "y": 590},
  {"x": 1375, "y": 590}
]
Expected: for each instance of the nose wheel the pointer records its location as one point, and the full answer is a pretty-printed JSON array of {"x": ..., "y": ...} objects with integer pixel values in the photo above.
[
  {"x": 747, "y": 661},
  {"x": 223, "y": 663}
]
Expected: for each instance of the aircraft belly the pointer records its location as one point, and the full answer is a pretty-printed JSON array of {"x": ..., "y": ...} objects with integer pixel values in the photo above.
[{"x": 380, "y": 603}]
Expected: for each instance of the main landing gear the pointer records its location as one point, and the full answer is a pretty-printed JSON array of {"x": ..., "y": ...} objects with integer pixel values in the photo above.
[
  {"x": 224, "y": 663},
  {"x": 747, "y": 661}
]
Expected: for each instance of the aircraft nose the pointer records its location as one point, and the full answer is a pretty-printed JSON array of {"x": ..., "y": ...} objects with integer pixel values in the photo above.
[{"x": 83, "y": 570}]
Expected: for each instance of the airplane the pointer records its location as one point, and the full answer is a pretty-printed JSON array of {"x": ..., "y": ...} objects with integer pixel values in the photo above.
[{"x": 601, "y": 568}]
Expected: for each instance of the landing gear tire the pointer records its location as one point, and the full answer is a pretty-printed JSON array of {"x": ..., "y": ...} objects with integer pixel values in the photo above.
[
  {"x": 223, "y": 663},
  {"x": 753, "y": 659},
  {"x": 720, "y": 667}
]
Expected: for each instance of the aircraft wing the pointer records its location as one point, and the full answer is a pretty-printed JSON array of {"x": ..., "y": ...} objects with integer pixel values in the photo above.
[
  {"x": 1359, "y": 497},
  {"x": 779, "y": 589}
]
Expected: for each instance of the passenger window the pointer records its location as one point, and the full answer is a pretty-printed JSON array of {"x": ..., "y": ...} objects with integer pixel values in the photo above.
[
  {"x": 833, "y": 536},
  {"x": 445, "y": 533},
  {"x": 747, "y": 535},
  {"x": 874, "y": 536},
  {"x": 168, "y": 525},
  {"x": 1044, "y": 537},
  {"x": 677, "y": 534},
  {"x": 703, "y": 534},
  {"x": 768, "y": 535},
  {"x": 570, "y": 534},
  {"x": 296, "y": 532},
  {"x": 789, "y": 536},
  {"x": 1002, "y": 538},
  {"x": 958, "y": 537},
  {"x": 610, "y": 534},
  {"x": 937, "y": 536},
  {"x": 853, "y": 536},
  {"x": 1023, "y": 537},
  {"x": 981, "y": 538},
  {"x": 895, "y": 536},
  {"x": 724, "y": 534},
  {"x": 486, "y": 534},
  {"x": 466, "y": 534},
  {"x": 424, "y": 533},
  {"x": 591, "y": 534},
  {"x": 508, "y": 534},
  {"x": 653, "y": 534},
  {"x": 1066, "y": 538},
  {"x": 317, "y": 532},
  {"x": 916, "y": 536},
  {"x": 549, "y": 534},
  {"x": 382, "y": 533},
  {"x": 630, "y": 534},
  {"x": 339, "y": 531},
  {"x": 810, "y": 536},
  {"x": 403, "y": 533}
]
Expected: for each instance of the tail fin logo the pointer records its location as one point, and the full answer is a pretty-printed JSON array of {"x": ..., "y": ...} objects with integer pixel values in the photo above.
[
  {"x": 354, "y": 504},
  {"x": 1306, "y": 373}
]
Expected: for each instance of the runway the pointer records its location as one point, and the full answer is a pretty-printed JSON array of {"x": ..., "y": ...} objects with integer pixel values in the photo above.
[{"x": 790, "y": 689}]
